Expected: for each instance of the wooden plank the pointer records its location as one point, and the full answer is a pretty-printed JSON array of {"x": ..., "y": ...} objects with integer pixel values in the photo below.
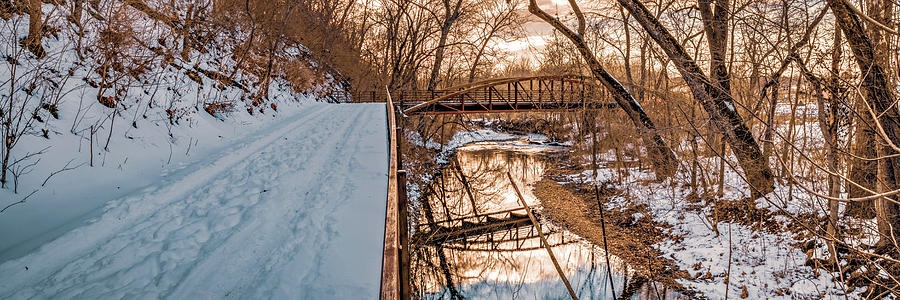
[{"x": 390, "y": 261}]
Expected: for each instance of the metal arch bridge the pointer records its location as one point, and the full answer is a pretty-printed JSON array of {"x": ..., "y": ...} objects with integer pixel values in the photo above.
[
  {"x": 489, "y": 231},
  {"x": 514, "y": 94}
]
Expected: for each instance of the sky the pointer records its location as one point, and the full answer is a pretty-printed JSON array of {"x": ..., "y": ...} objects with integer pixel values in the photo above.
[{"x": 536, "y": 30}]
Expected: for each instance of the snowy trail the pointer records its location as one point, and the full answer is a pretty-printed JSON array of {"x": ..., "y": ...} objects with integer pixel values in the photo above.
[{"x": 296, "y": 213}]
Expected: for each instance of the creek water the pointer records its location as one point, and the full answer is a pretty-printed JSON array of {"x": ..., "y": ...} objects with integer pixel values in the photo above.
[{"x": 489, "y": 248}]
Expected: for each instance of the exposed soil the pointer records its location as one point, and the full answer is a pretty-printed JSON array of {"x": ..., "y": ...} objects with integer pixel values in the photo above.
[{"x": 575, "y": 208}]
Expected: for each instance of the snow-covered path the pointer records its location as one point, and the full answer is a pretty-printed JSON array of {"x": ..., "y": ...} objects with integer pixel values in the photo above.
[{"x": 295, "y": 213}]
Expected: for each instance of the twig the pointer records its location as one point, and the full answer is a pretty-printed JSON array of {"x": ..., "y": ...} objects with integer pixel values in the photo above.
[
  {"x": 728, "y": 274},
  {"x": 65, "y": 168},
  {"x": 18, "y": 202}
]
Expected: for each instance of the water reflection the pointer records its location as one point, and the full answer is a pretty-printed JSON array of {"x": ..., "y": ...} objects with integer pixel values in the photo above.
[{"x": 474, "y": 239}]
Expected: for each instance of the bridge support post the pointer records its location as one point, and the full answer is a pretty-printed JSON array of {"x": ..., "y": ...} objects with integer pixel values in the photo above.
[
  {"x": 490, "y": 99},
  {"x": 564, "y": 98},
  {"x": 516, "y": 92}
]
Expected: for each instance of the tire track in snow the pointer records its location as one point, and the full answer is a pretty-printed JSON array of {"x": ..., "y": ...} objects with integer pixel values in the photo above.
[
  {"x": 162, "y": 200},
  {"x": 319, "y": 282},
  {"x": 308, "y": 213},
  {"x": 172, "y": 239}
]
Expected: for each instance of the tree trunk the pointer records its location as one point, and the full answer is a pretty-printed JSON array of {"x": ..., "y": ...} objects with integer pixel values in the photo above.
[
  {"x": 627, "y": 55},
  {"x": 861, "y": 171},
  {"x": 717, "y": 103},
  {"x": 715, "y": 24},
  {"x": 33, "y": 41},
  {"x": 661, "y": 156},
  {"x": 438, "y": 58},
  {"x": 877, "y": 94},
  {"x": 451, "y": 13}
]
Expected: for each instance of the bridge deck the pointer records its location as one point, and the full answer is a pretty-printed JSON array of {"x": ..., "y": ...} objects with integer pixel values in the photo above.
[{"x": 459, "y": 107}]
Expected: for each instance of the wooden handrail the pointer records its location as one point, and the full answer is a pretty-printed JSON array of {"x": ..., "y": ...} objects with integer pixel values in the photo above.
[{"x": 390, "y": 262}]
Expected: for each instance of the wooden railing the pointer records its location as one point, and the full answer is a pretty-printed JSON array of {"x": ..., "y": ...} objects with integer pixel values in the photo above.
[{"x": 395, "y": 259}]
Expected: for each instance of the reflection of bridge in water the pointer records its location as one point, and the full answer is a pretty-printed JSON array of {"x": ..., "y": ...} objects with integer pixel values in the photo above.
[
  {"x": 518, "y": 94},
  {"x": 503, "y": 230}
]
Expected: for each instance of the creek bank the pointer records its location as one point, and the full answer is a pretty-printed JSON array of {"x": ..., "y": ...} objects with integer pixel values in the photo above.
[{"x": 631, "y": 235}]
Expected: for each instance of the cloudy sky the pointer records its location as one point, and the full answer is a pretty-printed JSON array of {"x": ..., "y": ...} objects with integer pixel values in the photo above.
[{"x": 537, "y": 30}]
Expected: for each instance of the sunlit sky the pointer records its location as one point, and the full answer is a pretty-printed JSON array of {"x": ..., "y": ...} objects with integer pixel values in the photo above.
[{"x": 537, "y": 30}]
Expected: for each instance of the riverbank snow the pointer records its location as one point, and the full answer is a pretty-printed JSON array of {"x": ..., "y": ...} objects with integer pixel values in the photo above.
[{"x": 764, "y": 264}]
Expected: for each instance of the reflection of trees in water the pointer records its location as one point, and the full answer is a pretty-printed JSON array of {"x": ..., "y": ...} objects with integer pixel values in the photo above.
[
  {"x": 502, "y": 273},
  {"x": 475, "y": 181},
  {"x": 492, "y": 265}
]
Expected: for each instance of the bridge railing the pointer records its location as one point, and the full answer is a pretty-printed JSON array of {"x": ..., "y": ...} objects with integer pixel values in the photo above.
[
  {"x": 395, "y": 256},
  {"x": 484, "y": 95}
]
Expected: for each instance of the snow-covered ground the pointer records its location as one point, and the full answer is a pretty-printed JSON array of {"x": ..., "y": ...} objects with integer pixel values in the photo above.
[
  {"x": 767, "y": 265},
  {"x": 294, "y": 209}
]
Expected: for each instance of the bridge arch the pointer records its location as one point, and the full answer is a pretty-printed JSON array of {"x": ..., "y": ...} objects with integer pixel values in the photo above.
[{"x": 512, "y": 94}]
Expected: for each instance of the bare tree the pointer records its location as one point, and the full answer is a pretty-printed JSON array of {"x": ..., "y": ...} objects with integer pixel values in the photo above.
[
  {"x": 497, "y": 20},
  {"x": 718, "y": 103},
  {"x": 452, "y": 13},
  {"x": 879, "y": 100},
  {"x": 661, "y": 156}
]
